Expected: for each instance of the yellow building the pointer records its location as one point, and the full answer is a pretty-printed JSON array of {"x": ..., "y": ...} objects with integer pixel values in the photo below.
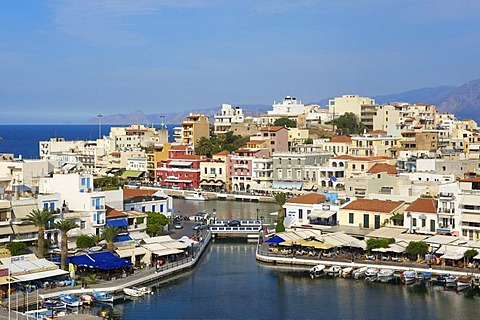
[
  {"x": 371, "y": 214},
  {"x": 195, "y": 127}
]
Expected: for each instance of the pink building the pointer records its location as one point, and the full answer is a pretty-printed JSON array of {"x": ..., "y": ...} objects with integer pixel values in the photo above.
[
  {"x": 278, "y": 137},
  {"x": 240, "y": 167}
]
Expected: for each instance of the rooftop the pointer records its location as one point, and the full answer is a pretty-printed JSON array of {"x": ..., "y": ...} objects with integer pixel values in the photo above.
[
  {"x": 425, "y": 205},
  {"x": 373, "y": 205},
  {"x": 310, "y": 198}
]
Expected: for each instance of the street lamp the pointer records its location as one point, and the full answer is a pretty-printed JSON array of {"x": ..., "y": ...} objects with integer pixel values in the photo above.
[
  {"x": 258, "y": 210},
  {"x": 214, "y": 212}
]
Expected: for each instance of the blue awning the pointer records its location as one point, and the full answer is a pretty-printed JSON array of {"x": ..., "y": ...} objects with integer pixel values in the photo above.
[
  {"x": 123, "y": 238},
  {"x": 100, "y": 260},
  {"x": 275, "y": 239},
  {"x": 117, "y": 223}
]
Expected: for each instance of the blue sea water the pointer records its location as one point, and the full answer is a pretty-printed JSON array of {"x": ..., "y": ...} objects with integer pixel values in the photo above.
[{"x": 24, "y": 139}]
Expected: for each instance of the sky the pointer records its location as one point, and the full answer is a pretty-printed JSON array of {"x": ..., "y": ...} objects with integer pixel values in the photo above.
[{"x": 66, "y": 61}]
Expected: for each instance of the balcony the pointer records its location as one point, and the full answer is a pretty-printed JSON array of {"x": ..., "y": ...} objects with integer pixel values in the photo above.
[
  {"x": 98, "y": 223},
  {"x": 240, "y": 166},
  {"x": 446, "y": 196},
  {"x": 449, "y": 211}
]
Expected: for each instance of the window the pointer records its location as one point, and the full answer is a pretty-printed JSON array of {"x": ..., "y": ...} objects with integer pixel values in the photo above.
[
  {"x": 83, "y": 225},
  {"x": 143, "y": 208},
  {"x": 424, "y": 222},
  {"x": 300, "y": 213},
  {"x": 153, "y": 208},
  {"x": 414, "y": 222},
  {"x": 350, "y": 217},
  {"x": 161, "y": 208}
]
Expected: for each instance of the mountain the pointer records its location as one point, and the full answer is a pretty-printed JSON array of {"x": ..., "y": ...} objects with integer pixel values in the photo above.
[
  {"x": 464, "y": 101},
  {"x": 424, "y": 95}
]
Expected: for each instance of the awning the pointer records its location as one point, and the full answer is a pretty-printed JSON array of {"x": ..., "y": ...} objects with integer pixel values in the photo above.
[
  {"x": 117, "y": 223},
  {"x": 275, "y": 239},
  {"x": 166, "y": 252},
  {"x": 132, "y": 174},
  {"x": 123, "y": 238},
  {"x": 24, "y": 228},
  {"x": 308, "y": 186},
  {"x": 452, "y": 256},
  {"x": 468, "y": 217},
  {"x": 289, "y": 185},
  {"x": 177, "y": 180},
  {"x": 125, "y": 253},
  {"x": 21, "y": 212},
  {"x": 180, "y": 163},
  {"x": 5, "y": 230},
  {"x": 100, "y": 260},
  {"x": 41, "y": 275},
  {"x": 321, "y": 214}
]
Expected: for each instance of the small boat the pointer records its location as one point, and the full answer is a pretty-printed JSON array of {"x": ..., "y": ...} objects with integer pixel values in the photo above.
[
  {"x": 360, "y": 272},
  {"x": 408, "y": 276},
  {"x": 197, "y": 196},
  {"x": 87, "y": 299},
  {"x": 371, "y": 272},
  {"x": 53, "y": 315},
  {"x": 54, "y": 305},
  {"x": 334, "y": 270},
  {"x": 447, "y": 279},
  {"x": 317, "y": 271},
  {"x": 464, "y": 281},
  {"x": 145, "y": 290},
  {"x": 70, "y": 300},
  {"x": 424, "y": 276},
  {"x": 133, "y": 292},
  {"x": 385, "y": 273},
  {"x": 346, "y": 271},
  {"x": 102, "y": 296}
]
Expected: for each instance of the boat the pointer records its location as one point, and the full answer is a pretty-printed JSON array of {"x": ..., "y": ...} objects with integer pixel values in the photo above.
[
  {"x": 371, "y": 272},
  {"x": 133, "y": 292},
  {"x": 409, "y": 276},
  {"x": 54, "y": 305},
  {"x": 197, "y": 196},
  {"x": 87, "y": 299},
  {"x": 70, "y": 300},
  {"x": 317, "y": 271},
  {"x": 360, "y": 272},
  {"x": 385, "y": 273},
  {"x": 424, "y": 276},
  {"x": 346, "y": 271},
  {"x": 446, "y": 279},
  {"x": 334, "y": 270},
  {"x": 145, "y": 290},
  {"x": 102, "y": 296},
  {"x": 53, "y": 315},
  {"x": 464, "y": 281}
]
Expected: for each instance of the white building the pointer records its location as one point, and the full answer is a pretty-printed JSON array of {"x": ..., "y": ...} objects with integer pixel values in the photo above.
[{"x": 228, "y": 115}]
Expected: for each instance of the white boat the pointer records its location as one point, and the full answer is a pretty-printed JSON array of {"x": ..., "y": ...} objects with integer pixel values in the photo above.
[
  {"x": 133, "y": 292},
  {"x": 371, "y": 272},
  {"x": 317, "y": 271},
  {"x": 70, "y": 300},
  {"x": 464, "y": 281},
  {"x": 197, "y": 196},
  {"x": 385, "y": 273},
  {"x": 346, "y": 271},
  {"x": 409, "y": 276},
  {"x": 101, "y": 296},
  {"x": 334, "y": 270},
  {"x": 87, "y": 299},
  {"x": 360, "y": 272},
  {"x": 145, "y": 290}
]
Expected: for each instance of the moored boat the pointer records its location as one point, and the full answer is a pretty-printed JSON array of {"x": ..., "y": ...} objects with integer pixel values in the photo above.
[
  {"x": 409, "y": 276},
  {"x": 385, "y": 273},
  {"x": 102, "y": 296},
  {"x": 70, "y": 300},
  {"x": 346, "y": 271},
  {"x": 360, "y": 272},
  {"x": 197, "y": 196},
  {"x": 133, "y": 292},
  {"x": 371, "y": 272},
  {"x": 87, "y": 299},
  {"x": 464, "y": 281},
  {"x": 317, "y": 271},
  {"x": 424, "y": 276},
  {"x": 54, "y": 305},
  {"x": 334, "y": 270}
]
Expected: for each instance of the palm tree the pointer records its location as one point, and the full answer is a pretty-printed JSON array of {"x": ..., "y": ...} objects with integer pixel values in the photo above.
[
  {"x": 204, "y": 147},
  {"x": 280, "y": 199},
  {"x": 64, "y": 226},
  {"x": 40, "y": 219},
  {"x": 109, "y": 234},
  {"x": 96, "y": 239}
]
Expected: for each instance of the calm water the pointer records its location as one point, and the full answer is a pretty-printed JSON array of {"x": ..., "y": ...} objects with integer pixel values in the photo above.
[{"x": 229, "y": 283}]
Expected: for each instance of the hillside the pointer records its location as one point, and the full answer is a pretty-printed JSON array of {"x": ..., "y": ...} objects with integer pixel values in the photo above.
[{"x": 464, "y": 101}]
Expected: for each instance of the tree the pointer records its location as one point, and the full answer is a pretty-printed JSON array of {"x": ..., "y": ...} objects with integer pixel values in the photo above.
[
  {"x": 285, "y": 122},
  {"x": 418, "y": 248},
  {"x": 280, "y": 199},
  {"x": 109, "y": 234},
  {"x": 85, "y": 241},
  {"x": 40, "y": 219},
  {"x": 204, "y": 147},
  {"x": 348, "y": 123},
  {"x": 309, "y": 141},
  {"x": 155, "y": 223},
  {"x": 469, "y": 254},
  {"x": 64, "y": 226},
  {"x": 374, "y": 243},
  {"x": 16, "y": 248}
]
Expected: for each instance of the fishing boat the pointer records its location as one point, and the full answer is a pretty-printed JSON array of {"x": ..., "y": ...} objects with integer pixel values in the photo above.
[
  {"x": 87, "y": 299},
  {"x": 446, "y": 279},
  {"x": 133, "y": 292},
  {"x": 145, "y": 290},
  {"x": 102, "y": 296},
  {"x": 385, "y": 273},
  {"x": 464, "y": 281},
  {"x": 317, "y": 271},
  {"x": 371, "y": 272},
  {"x": 196, "y": 196},
  {"x": 346, "y": 271},
  {"x": 424, "y": 276},
  {"x": 70, "y": 300},
  {"x": 52, "y": 315},
  {"x": 360, "y": 272},
  {"x": 54, "y": 305},
  {"x": 334, "y": 270},
  {"x": 409, "y": 276}
]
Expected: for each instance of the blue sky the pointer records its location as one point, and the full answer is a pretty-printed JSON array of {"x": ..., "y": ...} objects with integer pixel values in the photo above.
[{"x": 66, "y": 61}]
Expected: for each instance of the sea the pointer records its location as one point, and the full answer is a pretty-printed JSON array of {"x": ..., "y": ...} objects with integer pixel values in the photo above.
[{"x": 228, "y": 283}]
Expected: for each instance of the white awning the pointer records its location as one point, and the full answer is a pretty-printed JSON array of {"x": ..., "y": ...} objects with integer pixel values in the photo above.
[
  {"x": 321, "y": 214},
  {"x": 468, "y": 217},
  {"x": 24, "y": 228},
  {"x": 131, "y": 252},
  {"x": 5, "y": 230},
  {"x": 452, "y": 256},
  {"x": 166, "y": 252},
  {"x": 180, "y": 163},
  {"x": 41, "y": 275},
  {"x": 21, "y": 212}
]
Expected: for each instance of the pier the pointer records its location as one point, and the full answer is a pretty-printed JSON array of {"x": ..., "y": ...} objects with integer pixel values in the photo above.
[{"x": 246, "y": 229}]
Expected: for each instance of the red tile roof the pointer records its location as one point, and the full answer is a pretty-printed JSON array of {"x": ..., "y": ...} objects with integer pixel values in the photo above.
[
  {"x": 341, "y": 139},
  {"x": 373, "y": 205},
  {"x": 114, "y": 213},
  {"x": 272, "y": 128},
  {"x": 383, "y": 167},
  {"x": 377, "y": 132},
  {"x": 475, "y": 179},
  {"x": 222, "y": 153},
  {"x": 310, "y": 198},
  {"x": 130, "y": 193},
  {"x": 426, "y": 205}
]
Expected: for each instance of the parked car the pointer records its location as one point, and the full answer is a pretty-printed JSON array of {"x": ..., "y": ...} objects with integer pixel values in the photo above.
[
  {"x": 199, "y": 226},
  {"x": 177, "y": 224},
  {"x": 233, "y": 223}
]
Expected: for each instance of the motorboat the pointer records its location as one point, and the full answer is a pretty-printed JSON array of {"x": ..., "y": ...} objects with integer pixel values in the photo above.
[
  {"x": 464, "y": 281},
  {"x": 145, "y": 290},
  {"x": 446, "y": 279},
  {"x": 334, "y": 270},
  {"x": 87, "y": 299},
  {"x": 54, "y": 305},
  {"x": 371, "y": 272},
  {"x": 133, "y": 292},
  {"x": 385, "y": 273},
  {"x": 360, "y": 272},
  {"x": 197, "y": 196},
  {"x": 70, "y": 300},
  {"x": 346, "y": 271},
  {"x": 424, "y": 276},
  {"x": 317, "y": 271},
  {"x": 53, "y": 315},
  {"x": 102, "y": 296},
  {"x": 409, "y": 276}
]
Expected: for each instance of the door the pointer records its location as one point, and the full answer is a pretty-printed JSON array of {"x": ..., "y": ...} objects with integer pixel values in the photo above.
[
  {"x": 377, "y": 221},
  {"x": 366, "y": 222}
]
